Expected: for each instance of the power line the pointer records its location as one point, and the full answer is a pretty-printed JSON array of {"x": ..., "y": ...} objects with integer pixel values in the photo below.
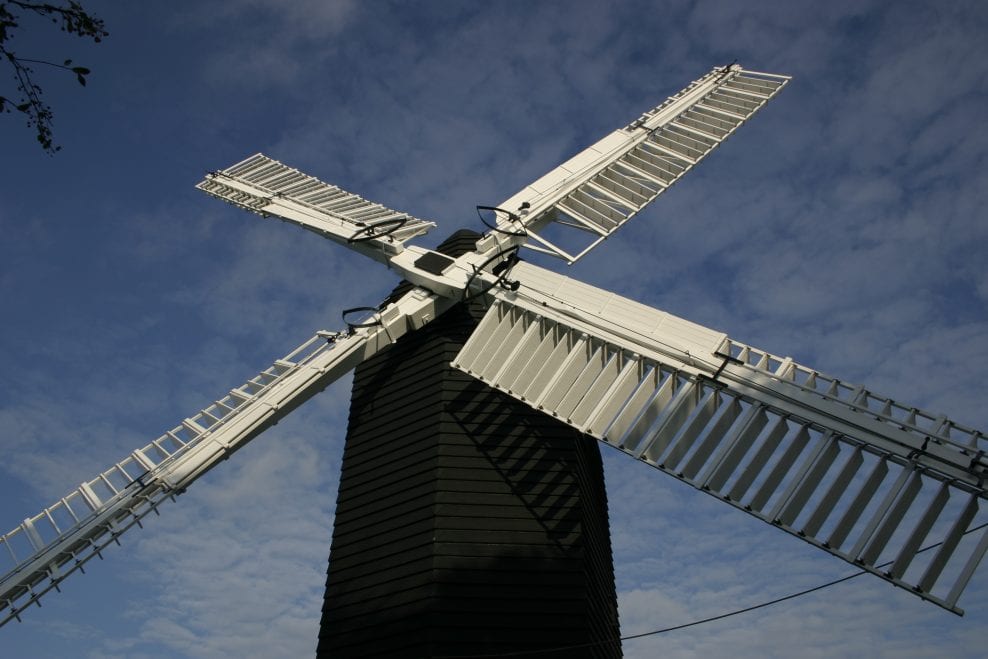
[{"x": 750, "y": 608}]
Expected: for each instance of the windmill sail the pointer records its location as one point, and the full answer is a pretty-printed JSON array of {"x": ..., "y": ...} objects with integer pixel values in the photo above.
[
  {"x": 599, "y": 189},
  {"x": 854, "y": 473},
  {"x": 265, "y": 186},
  {"x": 44, "y": 549}
]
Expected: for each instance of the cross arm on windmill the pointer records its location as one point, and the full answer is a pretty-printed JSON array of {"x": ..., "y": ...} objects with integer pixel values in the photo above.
[{"x": 851, "y": 472}]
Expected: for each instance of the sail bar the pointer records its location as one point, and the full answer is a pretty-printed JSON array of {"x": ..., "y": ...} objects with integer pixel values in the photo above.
[
  {"x": 43, "y": 550},
  {"x": 601, "y": 188},
  {"x": 652, "y": 385},
  {"x": 269, "y": 188}
]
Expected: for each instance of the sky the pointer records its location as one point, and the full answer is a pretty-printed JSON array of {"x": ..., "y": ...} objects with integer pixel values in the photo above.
[{"x": 845, "y": 225}]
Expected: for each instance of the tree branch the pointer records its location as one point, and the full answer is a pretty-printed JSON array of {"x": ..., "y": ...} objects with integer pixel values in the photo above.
[{"x": 73, "y": 19}]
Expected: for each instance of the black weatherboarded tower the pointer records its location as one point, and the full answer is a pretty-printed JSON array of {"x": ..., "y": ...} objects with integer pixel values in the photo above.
[{"x": 467, "y": 523}]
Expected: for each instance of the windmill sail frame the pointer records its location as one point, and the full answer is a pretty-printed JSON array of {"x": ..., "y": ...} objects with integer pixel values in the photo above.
[{"x": 599, "y": 189}]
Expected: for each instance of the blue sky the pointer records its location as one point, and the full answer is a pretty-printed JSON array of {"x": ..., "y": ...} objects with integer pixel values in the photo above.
[{"x": 845, "y": 226}]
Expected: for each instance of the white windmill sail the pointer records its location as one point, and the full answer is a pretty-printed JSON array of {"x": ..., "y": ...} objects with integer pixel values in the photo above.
[
  {"x": 39, "y": 553},
  {"x": 857, "y": 474},
  {"x": 598, "y": 190},
  {"x": 267, "y": 187}
]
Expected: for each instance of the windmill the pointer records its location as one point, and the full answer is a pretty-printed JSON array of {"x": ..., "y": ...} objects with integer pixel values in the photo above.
[{"x": 852, "y": 472}]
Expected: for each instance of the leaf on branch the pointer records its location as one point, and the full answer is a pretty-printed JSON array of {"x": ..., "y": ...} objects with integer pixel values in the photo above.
[
  {"x": 68, "y": 62},
  {"x": 80, "y": 73}
]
